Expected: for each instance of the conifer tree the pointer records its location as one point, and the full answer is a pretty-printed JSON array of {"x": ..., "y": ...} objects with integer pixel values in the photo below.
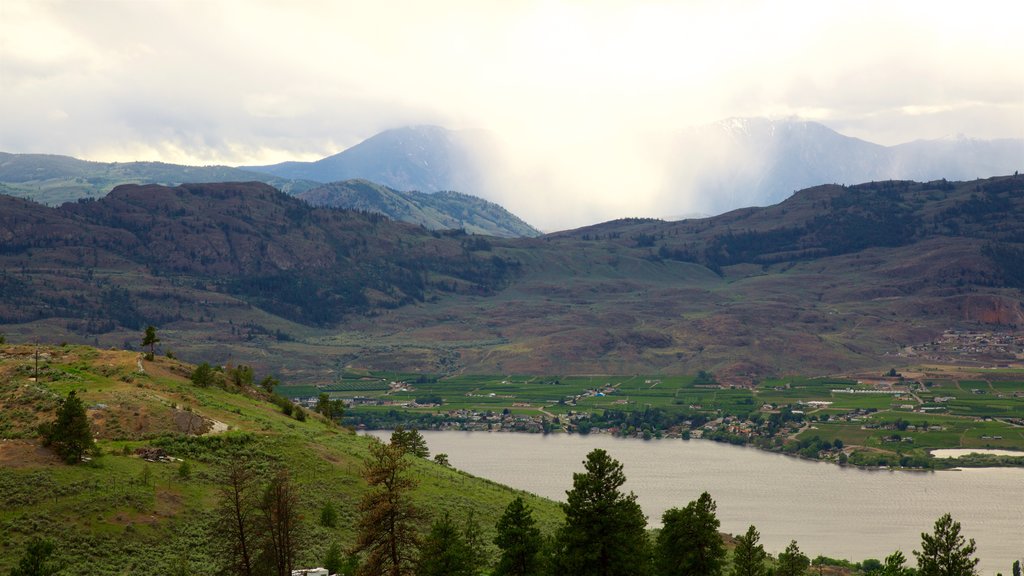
[
  {"x": 69, "y": 434},
  {"x": 150, "y": 339},
  {"x": 748, "y": 557},
  {"x": 894, "y": 565},
  {"x": 689, "y": 542},
  {"x": 520, "y": 541},
  {"x": 386, "y": 530},
  {"x": 36, "y": 559},
  {"x": 444, "y": 551},
  {"x": 792, "y": 562},
  {"x": 945, "y": 553},
  {"x": 604, "y": 532}
]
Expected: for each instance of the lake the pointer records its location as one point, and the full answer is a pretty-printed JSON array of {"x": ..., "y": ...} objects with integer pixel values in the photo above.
[{"x": 830, "y": 510}]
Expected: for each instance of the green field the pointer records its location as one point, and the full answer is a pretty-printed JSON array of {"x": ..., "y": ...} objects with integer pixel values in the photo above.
[{"x": 969, "y": 413}]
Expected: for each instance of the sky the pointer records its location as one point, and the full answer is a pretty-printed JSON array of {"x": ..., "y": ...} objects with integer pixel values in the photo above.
[{"x": 578, "y": 93}]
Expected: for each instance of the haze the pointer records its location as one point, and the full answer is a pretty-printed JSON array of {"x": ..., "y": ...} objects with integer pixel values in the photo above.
[{"x": 580, "y": 95}]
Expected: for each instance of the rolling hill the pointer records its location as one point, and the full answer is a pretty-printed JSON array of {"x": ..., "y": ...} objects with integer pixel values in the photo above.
[
  {"x": 835, "y": 278},
  {"x": 122, "y": 514},
  {"x": 437, "y": 211}
]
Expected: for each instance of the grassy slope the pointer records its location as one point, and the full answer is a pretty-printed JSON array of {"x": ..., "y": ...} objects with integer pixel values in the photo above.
[{"x": 108, "y": 519}]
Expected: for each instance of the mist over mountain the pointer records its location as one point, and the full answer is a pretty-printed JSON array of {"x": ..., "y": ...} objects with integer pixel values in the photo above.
[
  {"x": 422, "y": 158},
  {"x": 743, "y": 162}
]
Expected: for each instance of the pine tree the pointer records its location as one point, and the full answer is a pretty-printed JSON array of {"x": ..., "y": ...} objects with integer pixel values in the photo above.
[
  {"x": 894, "y": 565},
  {"x": 411, "y": 441},
  {"x": 444, "y": 551},
  {"x": 520, "y": 541},
  {"x": 748, "y": 557},
  {"x": 35, "y": 560},
  {"x": 1016, "y": 568},
  {"x": 792, "y": 562},
  {"x": 69, "y": 434},
  {"x": 386, "y": 530},
  {"x": 150, "y": 339},
  {"x": 689, "y": 542},
  {"x": 604, "y": 532},
  {"x": 945, "y": 552}
]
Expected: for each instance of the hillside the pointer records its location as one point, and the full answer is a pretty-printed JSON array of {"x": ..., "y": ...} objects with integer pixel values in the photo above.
[
  {"x": 120, "y": 514},
  {"x": 833, "y": 279},
  {"x": 436, "y": 211},
  {"x": 52, "y": 179}
]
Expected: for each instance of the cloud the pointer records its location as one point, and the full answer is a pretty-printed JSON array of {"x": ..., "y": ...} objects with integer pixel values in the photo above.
[{"x": 579, "y": 93}]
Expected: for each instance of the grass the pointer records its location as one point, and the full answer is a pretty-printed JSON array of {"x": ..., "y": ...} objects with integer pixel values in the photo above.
[{"x": 120, "y": 514}]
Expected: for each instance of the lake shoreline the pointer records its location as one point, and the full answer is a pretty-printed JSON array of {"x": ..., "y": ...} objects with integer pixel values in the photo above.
[{"x": 940, "y": 463}]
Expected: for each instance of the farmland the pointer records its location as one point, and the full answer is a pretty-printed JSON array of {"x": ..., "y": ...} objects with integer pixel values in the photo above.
[{"x": 869, "y": 419}]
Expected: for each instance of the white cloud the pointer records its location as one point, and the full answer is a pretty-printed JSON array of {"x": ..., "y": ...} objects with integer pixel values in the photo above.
[{"x": 579, "y": 91}]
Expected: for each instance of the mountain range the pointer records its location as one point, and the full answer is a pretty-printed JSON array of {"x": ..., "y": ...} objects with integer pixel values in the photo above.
[
  {"x": 54, "y": 180},
  {"x": 834, "y": 278},
  {"x": 743, "y": 162}
]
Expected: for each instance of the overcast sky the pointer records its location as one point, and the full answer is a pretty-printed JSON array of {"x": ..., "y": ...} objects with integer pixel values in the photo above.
[{"x": 575, "y": 89}]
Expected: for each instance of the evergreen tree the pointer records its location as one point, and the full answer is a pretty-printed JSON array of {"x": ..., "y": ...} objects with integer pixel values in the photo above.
[
  {"x": 150, "y": 339},
  {"x": 333, "y": 561},
  {"x": 69, "y": 435},
  {"x": 604, "y": 532},
  {"x": 386, "y": 530},
  {"x": 1016, "y": 568},
  {"x": 894, "y": 565},
  {"x": 35, "y": 560},
  {"x": 748, "y": 557},
  {"x": 444, "y": 551},
  {"x": 689, "y": 542},
  {"x": 474, "y": 545},
  {"x": 410, "y": 441},
  {"x": 519, "y": 540},
  {"x": 328, "y": 516},
  {"x": 945, "y": 552},
  {"x": 792, "y": 562},
  {"x": 202, "y": 375}
]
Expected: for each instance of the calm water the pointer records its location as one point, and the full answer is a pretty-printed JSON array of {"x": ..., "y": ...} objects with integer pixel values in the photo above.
[{"x": 827, "y": 509}]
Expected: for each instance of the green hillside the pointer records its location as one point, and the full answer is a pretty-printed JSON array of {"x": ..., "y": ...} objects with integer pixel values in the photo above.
[
  {"x": 120, "y": 514},
  {"x": 437, "y": 211}
]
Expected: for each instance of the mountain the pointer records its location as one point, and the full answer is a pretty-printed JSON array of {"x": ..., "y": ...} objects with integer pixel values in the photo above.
[
  {"x": 437, "y": 211},
  {"x": 311, "y": 265},
  {"x": 758, "y": 162},
  {"x": 834, "y": 278},
  {"x": 52, "y": 179},
  {"x": 132, "y": 509},
  {"x": 422, "y": 158}
]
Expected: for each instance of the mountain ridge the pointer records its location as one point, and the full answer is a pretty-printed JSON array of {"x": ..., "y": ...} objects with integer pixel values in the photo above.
[
  {"x": 832, "y": 279},
  {"x": 437, "y": 211}
]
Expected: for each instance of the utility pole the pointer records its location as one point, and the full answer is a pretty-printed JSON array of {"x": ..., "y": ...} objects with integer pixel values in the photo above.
[{"x": 37, "y": 361}]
